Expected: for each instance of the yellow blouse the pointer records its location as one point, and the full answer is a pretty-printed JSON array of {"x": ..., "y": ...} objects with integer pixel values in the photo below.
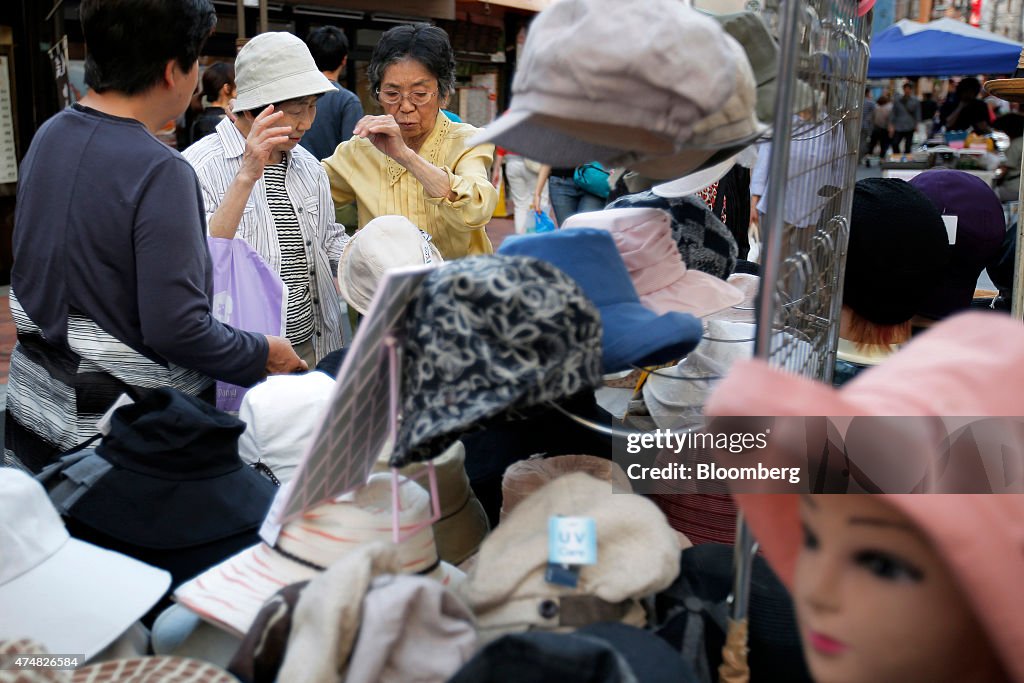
[{"x": 381, "y": 186}]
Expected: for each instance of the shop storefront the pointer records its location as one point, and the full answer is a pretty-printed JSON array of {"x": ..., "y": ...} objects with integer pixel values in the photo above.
[{"x": 39, "y": 39}]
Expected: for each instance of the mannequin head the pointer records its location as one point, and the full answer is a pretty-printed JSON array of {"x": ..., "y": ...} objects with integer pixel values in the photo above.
[
  {"x": 896, "y": 254},
  {"x": 885, "y": 575},
  {"x": 876, "y": 602}
]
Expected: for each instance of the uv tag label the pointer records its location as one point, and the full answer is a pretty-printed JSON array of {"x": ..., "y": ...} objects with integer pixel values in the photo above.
[{"x": 572, "y": 540}]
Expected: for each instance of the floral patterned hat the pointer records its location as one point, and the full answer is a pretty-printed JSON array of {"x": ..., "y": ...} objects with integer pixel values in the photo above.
[{"x": 487, "y": 337}]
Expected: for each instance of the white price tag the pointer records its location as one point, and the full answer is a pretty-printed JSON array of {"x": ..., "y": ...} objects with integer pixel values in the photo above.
[{"x": 951, "y": 223}]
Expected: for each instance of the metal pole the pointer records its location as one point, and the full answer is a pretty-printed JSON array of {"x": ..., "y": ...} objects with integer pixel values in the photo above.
[
  {"x": 1017, "y": 305},
  {"x": 264, "y": 21},
  {"x": 241, "y": 20},
  {"x": 742, "y": 565},
  {"x": 778, "y": 169}
]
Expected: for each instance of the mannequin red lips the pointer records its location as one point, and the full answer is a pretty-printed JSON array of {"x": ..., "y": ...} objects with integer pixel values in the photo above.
[{"x": 825, "y": 644}]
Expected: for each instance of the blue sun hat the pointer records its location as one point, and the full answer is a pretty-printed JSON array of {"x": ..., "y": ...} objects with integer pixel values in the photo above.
[{"x": 633, "y": 335}]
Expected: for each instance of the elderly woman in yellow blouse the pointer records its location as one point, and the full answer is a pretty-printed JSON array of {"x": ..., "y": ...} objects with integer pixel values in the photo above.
[{"x": 413, "y": 161}]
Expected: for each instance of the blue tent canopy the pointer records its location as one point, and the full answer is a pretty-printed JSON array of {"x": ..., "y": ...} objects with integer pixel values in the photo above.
[{"x": 944, "y": 47}]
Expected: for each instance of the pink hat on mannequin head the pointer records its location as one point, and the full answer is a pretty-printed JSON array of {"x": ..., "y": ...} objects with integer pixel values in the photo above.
[{"x": 968, "y": 365}]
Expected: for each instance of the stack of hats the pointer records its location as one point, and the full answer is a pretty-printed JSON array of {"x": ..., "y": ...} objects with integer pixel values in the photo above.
[
  {"x": 463, "y": 524},
  {"x": 67, "y": 595},
  {"x": 662, "y": 279},
  {"x": 681, "y": 391},
  {"x": 637, "y": 556},
  {"x": 704, "y": 241},
  {"x": 231, "y": 594},
  {"x": 360, "y": 621},
  {"x": 631, "y": 333},
  {"x": 172, "y": 461},
  {"x": 648, "y": 105}
]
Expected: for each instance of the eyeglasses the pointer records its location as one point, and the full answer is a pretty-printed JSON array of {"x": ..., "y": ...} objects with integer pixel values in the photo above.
[{"x": 393, "y": 97}]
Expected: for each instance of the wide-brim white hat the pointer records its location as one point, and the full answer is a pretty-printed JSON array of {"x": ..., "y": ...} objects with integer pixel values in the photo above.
[
  {"x": 384, "y": 243},
  {"x": 72, "y": 597},
  {"x": 275, "y": 67}
]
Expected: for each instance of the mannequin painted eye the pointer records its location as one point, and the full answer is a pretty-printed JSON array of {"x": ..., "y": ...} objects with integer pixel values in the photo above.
[
  {"x": 888, "y": 567},
  {"x": 810, "y": 540}
]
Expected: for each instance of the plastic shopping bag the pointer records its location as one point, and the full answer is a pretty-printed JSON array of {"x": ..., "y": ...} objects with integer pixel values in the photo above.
[
  {"x": 542, "y": 222},
  {"x": 247, "y": 295}
]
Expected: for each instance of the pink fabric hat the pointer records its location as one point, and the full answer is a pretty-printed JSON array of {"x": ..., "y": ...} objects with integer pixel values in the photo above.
[
  {"x": 643, "y": 237},
  {"x": 968, "y": 365},
  {"x": 231, "y": 594},
  {"x": 971, "y": 364}
]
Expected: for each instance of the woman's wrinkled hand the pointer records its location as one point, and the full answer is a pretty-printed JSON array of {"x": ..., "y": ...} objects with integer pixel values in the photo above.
[
  {"x": 261, "y": 142},
  {"x": 385, "y": 134}
]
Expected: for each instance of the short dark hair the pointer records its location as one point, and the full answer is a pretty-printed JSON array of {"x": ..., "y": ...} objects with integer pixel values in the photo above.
[
  {"x": 215, "y": 78},
  {"x": 1012, "y": 124},
  {"x": 427, "y": 44},
  {"x": 329, "y": 47},
  {"x": 129, "y": 42},
  {"x": 968, "y": 87}
]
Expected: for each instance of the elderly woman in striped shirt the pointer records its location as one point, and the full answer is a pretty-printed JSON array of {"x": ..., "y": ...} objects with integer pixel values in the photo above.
[{"x": 260, "y": 185}]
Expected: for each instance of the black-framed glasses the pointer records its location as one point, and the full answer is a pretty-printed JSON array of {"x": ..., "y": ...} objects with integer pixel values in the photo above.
[{"x": 418, "y": 98}]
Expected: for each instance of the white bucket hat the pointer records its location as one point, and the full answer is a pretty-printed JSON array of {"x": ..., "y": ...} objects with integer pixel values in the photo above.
[
  {"x": 70, "y": 596},
  {"x": 281, "y": 415},
  {"x": 274, "y": 67},
  {"x": 232, "y": 593},
  {"x": 384, "y": 243}
]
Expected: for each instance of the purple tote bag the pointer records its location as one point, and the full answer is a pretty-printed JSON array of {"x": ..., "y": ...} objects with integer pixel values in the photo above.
[{"x": 247, "y": 295}]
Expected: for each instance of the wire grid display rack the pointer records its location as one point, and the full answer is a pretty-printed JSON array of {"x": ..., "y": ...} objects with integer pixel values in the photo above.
[
  {"x": 823, "y": 60},
  {"x": 814, "y": 146}
]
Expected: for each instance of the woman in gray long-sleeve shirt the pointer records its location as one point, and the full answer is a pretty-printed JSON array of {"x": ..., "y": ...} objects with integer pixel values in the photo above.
[{"x": 112, "y": 277}]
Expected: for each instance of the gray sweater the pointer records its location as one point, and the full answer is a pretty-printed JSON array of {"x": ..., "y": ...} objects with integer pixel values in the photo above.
[
  {"x": 110, "y": 225},
  {"x": 906, "y": 112}
]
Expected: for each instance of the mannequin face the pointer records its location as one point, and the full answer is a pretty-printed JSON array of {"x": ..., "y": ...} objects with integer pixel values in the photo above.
[{"x": 876, "y": 603}]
